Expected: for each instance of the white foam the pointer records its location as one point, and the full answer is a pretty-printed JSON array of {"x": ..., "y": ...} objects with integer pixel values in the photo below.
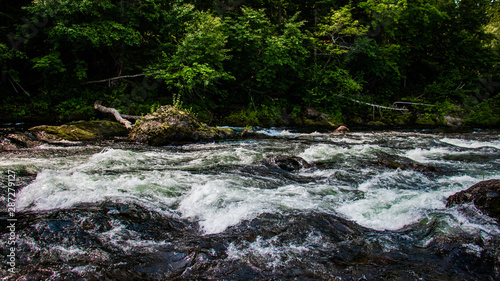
[
  {"x": 325, "y": 152},
  {"x": 433, "y": 154},
  {"x": 471, "y": 143},
  {"x": 392, "y": 200},
  {"x": 220, "y": 204},
  {"x": 276, "y": 132},
  {"x": 274, "y": 254},
  {"x": 396, "y": 199}
]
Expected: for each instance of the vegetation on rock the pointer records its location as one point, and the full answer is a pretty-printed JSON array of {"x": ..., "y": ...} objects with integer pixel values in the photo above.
[{"x": 169, "y": 124}]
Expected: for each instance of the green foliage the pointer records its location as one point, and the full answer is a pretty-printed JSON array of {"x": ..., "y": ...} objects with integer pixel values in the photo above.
[
  {"x": 335, "y": 30},
  {"x": 264, "y": 115},
  {"x": 268, "y": 54},
  {"x": 486, "y": 113},
  {"x": 51, "y": 63},
  {"x": 267, "y": 59},
  {"x": 197, "y": 62}
]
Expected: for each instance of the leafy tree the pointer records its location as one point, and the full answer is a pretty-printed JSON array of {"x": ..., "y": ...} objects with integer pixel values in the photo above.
[
  {"x": 198, "y": 60},
  {"x": 267, "y": 59}
]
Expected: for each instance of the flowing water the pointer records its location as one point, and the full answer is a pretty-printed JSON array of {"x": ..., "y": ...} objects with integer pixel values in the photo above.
[{"x": 119, "y": 211}]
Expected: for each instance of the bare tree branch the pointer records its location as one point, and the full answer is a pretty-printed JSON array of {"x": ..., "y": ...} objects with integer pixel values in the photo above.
[
  {"x": 114, "y": 112},
  {"x": 116, "y": 78}
]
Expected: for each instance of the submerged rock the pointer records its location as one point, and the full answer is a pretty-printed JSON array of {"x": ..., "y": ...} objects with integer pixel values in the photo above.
[
  {"x": 80, "y": 131},
  {"x": 169, "y": 124},
  {"x": 485, "y": 195},
  {"x": 397, "y": 162},
  {"x": 285, "y": 162}
]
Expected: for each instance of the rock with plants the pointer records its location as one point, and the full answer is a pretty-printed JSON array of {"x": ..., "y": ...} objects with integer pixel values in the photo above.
[{"x": 172, "y": 125}]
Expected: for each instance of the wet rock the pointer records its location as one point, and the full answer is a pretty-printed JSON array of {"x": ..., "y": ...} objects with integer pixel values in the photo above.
[
  {"x": 285, "y": 162},
  {"x": 80, "y": 131},
  {"x": 24, "y": 139},
  {"x": 249, "y": 133},
  {"x": 485, "y": 195},
  {"x": 6, "y": 145},
  {"x": 397, "y": 162},
  {"x": 17, "y": 140},
  {"x": 168, "y": 125}
]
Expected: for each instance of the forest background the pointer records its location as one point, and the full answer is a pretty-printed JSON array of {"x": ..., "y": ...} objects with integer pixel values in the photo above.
[{"x": 253, "y": 62}]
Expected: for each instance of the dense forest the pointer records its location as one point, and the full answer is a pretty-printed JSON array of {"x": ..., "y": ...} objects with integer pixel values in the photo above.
[{"x": 253, "y": 62}]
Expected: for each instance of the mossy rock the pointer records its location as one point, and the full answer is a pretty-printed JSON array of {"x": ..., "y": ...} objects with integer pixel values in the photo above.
[
  {"x": 170, "y": 125},
  {"x": 82, "y": 130}
]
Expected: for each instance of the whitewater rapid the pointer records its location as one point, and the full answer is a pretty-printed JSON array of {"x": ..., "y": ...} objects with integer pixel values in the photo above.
[{"x": 219, "y": 184}]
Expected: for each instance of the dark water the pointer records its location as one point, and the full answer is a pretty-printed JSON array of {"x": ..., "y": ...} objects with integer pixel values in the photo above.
[{"x": 370, "y": 207}]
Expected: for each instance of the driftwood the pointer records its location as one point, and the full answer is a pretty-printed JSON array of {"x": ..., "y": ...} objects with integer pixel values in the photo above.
[{"x": 116, "y": 114}]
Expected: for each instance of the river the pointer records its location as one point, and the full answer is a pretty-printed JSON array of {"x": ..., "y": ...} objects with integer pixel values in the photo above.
[{"x": 372, "y": 206}]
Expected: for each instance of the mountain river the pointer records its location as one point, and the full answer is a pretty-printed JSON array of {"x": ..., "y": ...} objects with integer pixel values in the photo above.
[{"x": 370, "y": 206}]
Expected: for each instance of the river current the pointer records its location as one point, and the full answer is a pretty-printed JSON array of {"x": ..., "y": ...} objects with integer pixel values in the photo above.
[{"x": 372, "y": 206}]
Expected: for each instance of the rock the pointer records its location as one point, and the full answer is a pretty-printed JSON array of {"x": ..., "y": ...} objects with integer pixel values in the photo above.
[
  {"x": 341, "y": 129},
  {"x": 80, "y": 131},
  {"x": 397, "y": 162},
  {"x": 6, "y": 145},
  {"x": 24, "y": 139},
  {"x": 314, "y": 118},
  {"x": 285, "y": 162},
  {"x": 249, "y": 133},
  {"x": 311, "y": 112},
  {"x": 452, "y": 121},
  {"x": 17, "y": 140},
  {"x": 169, "y": 124},
  {"x": 485, "y": 195}
]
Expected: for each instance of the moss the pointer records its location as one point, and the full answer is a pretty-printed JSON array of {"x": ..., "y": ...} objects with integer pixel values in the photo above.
[
  {"x": 169, "y": 124},
  {"x": 84, "y": 130}
]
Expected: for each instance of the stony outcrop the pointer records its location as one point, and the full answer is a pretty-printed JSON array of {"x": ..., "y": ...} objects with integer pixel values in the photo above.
[
  {"x": 80, "y": 131},
  {"x": 171, "y": 125},
  {"x": 485, "y": 195},
  {"x": 285, "y": 162}
]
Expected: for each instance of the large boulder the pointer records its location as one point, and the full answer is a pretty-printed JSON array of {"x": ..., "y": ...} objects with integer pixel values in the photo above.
[
  {"x": 80, "y": 131},
  {"x": 485, "y": 195},
  {"x": 170, "y": 125}
]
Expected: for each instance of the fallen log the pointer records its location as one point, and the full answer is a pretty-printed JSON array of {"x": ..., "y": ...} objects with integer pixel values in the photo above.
[{"x": 116, "y": 114}]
